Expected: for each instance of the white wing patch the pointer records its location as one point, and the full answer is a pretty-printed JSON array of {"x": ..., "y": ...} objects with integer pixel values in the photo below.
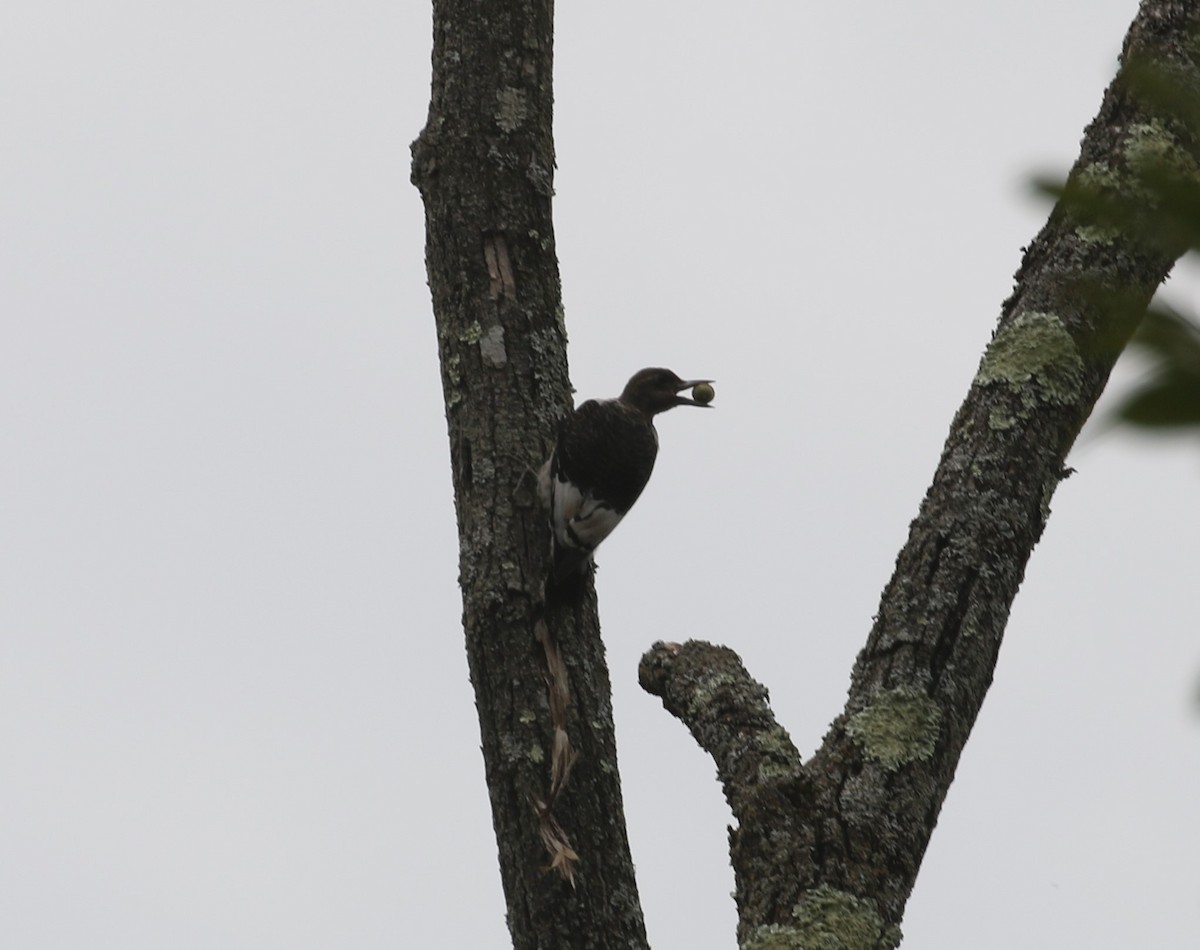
[{"x": 580, "y": 521}]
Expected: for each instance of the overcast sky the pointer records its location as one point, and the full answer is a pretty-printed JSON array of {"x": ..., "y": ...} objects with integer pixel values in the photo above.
[{"x": 234, "y": 708}]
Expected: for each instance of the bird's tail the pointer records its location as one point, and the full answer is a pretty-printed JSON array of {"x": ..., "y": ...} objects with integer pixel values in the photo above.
[{"x": 569, "y": 575}]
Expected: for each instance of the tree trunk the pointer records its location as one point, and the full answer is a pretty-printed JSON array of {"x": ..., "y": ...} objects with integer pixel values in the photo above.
[{"x": 485, "y": 167}]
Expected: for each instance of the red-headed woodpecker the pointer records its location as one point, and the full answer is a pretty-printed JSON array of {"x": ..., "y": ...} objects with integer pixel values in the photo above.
[{"x": 602, "y": 460}]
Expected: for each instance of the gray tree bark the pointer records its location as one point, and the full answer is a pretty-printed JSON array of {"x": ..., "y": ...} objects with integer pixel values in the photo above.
[
  {"x": 485, "y": 166},
  {"x": 826, "y": 851}
]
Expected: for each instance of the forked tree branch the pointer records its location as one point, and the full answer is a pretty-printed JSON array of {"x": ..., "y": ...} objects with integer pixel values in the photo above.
[
  {"x": 708, "y": 689},
  {"x": 836, "y": 852}
]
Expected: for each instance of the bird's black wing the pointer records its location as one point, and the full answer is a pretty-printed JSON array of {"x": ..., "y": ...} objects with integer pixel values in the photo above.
[{"x": 607, "y": 450}]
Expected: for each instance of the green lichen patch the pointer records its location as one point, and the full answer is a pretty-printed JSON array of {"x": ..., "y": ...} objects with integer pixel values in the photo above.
[
  {"x": 999, "y": 420},
  {"x": 898, "y": 727},
  {"x": 780, "y": 762},
  {"x": 1034, "y": 356},
  {"x": 829, "y": 919},
  {"x": 1097, "y": 233},
  {"x": 1097, "y": 176},
  {"x": 706, "y": 689},
  {"x": 773, "y": 937},
  {"x": 1091, "y": 193},
  {"x": 1150, "y": 150}
]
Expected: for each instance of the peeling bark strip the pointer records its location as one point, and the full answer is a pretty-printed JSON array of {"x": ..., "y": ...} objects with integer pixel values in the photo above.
[
  {"x": 563, "y": 858},
  {"x": 484, "y": 166},
  {"x": 495, "y": 252},
  {"x": 826, "y": 852}
]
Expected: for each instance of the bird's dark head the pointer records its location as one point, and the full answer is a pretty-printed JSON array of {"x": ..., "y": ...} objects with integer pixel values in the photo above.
[{"x": 656, "y": 390}]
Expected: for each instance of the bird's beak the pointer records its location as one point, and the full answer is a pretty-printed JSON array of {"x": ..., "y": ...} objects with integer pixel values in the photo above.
[{"x": 687, "y": 400}]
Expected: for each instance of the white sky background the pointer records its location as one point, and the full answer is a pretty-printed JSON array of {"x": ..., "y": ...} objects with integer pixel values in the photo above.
[{"x": 234, "y": 708}]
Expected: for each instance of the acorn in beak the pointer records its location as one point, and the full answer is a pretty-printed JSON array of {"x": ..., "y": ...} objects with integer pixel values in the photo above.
[{"x": 702, "y": 393}]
